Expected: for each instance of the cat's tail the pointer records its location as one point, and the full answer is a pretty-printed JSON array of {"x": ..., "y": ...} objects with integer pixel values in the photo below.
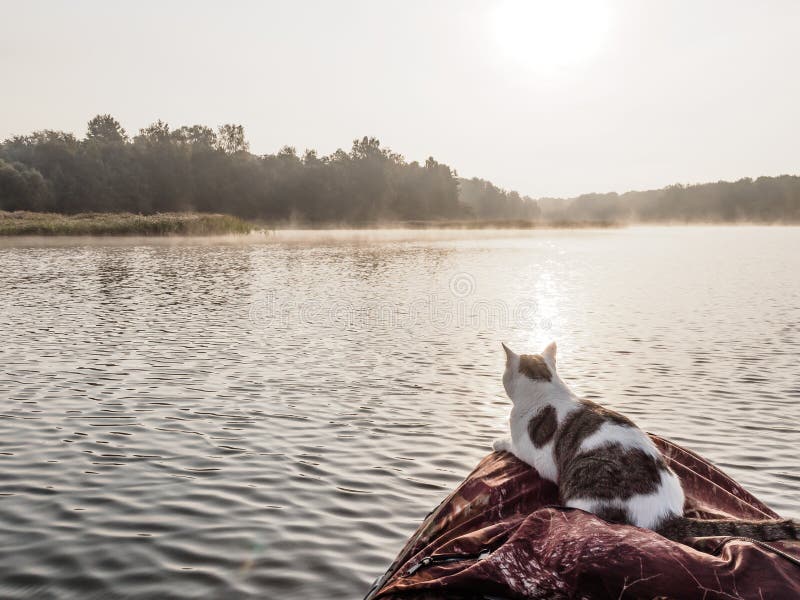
[{"x": 681, "y": 528}]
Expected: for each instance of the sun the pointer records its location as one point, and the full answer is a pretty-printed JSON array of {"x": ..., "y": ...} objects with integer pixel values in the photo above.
[{"x": 549, "y": 36}]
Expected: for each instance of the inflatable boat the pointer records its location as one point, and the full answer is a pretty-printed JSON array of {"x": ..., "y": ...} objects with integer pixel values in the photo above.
[{"x": 501, "y": 535}]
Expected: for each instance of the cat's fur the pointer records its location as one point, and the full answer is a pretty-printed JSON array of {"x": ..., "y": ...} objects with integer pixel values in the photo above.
[{"x": 600, "y": 460}]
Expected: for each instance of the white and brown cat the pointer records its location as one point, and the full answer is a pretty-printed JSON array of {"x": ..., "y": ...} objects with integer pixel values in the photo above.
[{"x": 601, "y": 462}]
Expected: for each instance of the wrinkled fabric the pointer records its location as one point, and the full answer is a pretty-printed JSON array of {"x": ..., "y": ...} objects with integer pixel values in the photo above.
[{"x": 500, "y": 534}]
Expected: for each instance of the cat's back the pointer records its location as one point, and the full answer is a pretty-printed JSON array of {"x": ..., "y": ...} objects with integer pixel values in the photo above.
[
  {"x": 610, "y": 467},
  {"x": 590, "y": 426}
]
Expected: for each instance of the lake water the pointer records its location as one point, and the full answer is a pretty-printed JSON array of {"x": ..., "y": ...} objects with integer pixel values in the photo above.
[{"x": 272, "y": 418}]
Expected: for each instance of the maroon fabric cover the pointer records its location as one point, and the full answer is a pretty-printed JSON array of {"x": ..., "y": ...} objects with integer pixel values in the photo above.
[{"x": 541, "y": 551}]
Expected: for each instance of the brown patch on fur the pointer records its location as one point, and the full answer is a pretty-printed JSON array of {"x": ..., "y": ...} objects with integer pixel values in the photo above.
[
  {"x": 609, "y": 472},
  {"x": 534, "y": 367},
  {"x": 682, "y": 528},
  {"x": 542, "y": 427}
]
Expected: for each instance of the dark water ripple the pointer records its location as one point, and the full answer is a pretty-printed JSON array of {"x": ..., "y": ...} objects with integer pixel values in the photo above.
[{"x": 272, "y": 420}]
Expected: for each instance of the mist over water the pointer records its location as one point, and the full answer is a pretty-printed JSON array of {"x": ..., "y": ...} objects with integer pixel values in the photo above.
[{"x": 274, "y": 416}]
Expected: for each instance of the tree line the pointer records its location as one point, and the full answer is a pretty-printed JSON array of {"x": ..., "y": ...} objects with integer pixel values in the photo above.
[
  {"x": 197, "y": 168},
  {"x": 761, "y": 200}
]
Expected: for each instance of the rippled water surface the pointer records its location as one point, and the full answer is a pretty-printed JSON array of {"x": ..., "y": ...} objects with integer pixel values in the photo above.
[{"x": 273, "y": 418}]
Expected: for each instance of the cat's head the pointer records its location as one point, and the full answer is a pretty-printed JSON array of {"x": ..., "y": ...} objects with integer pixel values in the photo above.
[{"x": 526, "y": 374}]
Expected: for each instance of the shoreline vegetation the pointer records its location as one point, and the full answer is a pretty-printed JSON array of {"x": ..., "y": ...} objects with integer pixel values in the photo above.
[
  {"x": 195, "y": 180},
  {"x": 26, "y": 223},
  {"x": 187, "y": 224},
  {"x": 190, "y": 224}
]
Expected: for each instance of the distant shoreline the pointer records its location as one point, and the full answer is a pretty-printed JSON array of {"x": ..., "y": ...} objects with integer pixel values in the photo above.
[{"x": 449, "y": 224}]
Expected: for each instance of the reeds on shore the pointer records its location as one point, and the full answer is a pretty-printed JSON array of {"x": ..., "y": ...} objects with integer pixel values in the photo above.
[
  {"x": 199, "y": 224},
  {"x": 208, "y": 224}
]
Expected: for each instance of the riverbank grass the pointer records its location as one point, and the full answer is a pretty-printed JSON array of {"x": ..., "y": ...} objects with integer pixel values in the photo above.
[{"x": 32, "y": 223}]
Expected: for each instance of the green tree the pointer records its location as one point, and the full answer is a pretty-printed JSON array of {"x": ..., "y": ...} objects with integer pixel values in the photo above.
[
  {"x": 105, "y": 128},
  {"x": 198, "y": 135},
  {"x": 22, "y": 188},
  {"x": 231, "y": 140},
  {"x": 155, "y": 133}
]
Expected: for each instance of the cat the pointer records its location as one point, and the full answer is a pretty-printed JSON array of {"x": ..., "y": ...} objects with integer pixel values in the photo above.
[{"x": 601, "y": 462}]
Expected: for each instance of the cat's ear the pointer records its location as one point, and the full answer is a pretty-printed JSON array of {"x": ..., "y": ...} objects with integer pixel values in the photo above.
[
  {"x": 509, "y": 353},
  {"x": 549, "y": 354}
]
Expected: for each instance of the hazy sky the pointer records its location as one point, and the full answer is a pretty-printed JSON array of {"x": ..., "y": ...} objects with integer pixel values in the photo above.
[{"x": 549, "y": 98}]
